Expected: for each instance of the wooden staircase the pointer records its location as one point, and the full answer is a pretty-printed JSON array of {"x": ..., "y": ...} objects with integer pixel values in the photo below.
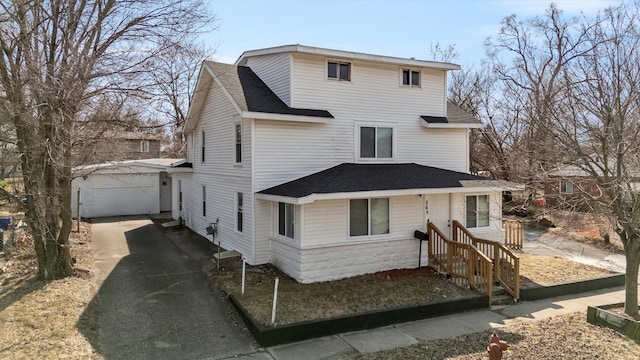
[{"x": 484, "y": 265}]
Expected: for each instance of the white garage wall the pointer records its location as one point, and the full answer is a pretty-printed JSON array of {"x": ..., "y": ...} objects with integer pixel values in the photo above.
[{"x": 116, "y": 194}]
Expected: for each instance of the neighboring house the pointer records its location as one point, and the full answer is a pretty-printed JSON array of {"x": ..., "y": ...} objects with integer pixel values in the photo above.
[
  {"x": 570, "y": 187},
  {"x": 324, "y": 162},
  {"x": 132, "y": 187},
  {"x": 122, "y": 146}
]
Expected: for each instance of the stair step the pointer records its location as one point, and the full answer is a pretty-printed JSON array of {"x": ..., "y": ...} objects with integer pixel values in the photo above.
[
  {"x": 499, "y": 290},
  {"x": 501, "y": 300}
]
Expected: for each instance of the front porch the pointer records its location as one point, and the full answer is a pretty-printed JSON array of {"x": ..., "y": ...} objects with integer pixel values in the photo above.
[{"x": 476, "y": 262}]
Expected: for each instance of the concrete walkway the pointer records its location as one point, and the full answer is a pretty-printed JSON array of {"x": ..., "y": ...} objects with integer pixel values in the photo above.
[{"x": 406, "y": 334}]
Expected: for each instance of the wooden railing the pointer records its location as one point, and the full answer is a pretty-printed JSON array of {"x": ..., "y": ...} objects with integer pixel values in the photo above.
[
  {"x": 462, "y": 261},
  {"x": 506, "y": 264},
  {"x": 513, "y": 234}
]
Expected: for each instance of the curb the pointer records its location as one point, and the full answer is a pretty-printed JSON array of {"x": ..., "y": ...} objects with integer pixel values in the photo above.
[
  {"x": 543, "y": 292},
  {"x": 270, "y": 336}
]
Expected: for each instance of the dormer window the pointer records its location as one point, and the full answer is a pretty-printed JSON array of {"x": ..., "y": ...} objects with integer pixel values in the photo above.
[
  {"x": 339, "y": 70},
  {"x": 410, "y": 77}
]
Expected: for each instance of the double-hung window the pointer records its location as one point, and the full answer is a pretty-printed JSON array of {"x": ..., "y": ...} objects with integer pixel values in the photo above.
[
  {"x": 376, "y": 142},
  {"x": 410, "y": 77},
  {"x": 238, "y": 136},
  {"x": 566, "y": 186},
  {"x": 477, "y": 211},
  {"x": 286, "y": 219},
  {"x": 239, "y": 213},
  {"x": 368, "y": 216},
  {"x": 339, "y": 70}
]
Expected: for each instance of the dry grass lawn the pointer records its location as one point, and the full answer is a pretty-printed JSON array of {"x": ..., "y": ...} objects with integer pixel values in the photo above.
[
  {"x": 39, "y": 320},
  {"x": 562, "y": 337},
  {"x": 301, "y": 302},
  {"x": 548, "y": 270}
]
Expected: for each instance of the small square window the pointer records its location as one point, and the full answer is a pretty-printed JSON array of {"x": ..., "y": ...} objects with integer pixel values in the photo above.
[
  {"x": 566, "y": 187},
  {"x": 410, "y": 77},
  {"x": 339, "y": 70}
]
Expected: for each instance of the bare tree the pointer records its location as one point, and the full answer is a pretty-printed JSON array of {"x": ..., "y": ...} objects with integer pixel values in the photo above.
[
  {"x": 175, "y": 82},
  {"x": 58, "y": 55},
  {"x": 528, "y": 56},
  {"x": 598, "y": 126}
]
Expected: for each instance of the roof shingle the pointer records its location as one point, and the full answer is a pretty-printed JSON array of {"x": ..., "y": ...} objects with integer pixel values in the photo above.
[{"x": 349, "y": 177}]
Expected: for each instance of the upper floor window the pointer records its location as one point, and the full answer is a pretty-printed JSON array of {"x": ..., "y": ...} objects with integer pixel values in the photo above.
[
  {"x": 410, "y": 77},
  {"x": 202, "y": 146},
  {"x": 238, "y": 135},
  {"x": 144, "y": 146},
  {"x": 339, "y": 70},
  {"x": 566, "y": 186},
  {"x": 376, "y": 142},
  {"x": 368, "y": 216},
  {"x": 286, "y": 219},
  {"x": 477, "y": 211}
]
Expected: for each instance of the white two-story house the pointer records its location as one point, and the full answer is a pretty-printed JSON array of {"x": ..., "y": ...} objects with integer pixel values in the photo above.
[{"x": 324, "y": 162}]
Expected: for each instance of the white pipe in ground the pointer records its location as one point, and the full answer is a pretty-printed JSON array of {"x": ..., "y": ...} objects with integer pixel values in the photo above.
[
  {"x": 275, "y": 301},
  {"x": 243, "y": 272}
]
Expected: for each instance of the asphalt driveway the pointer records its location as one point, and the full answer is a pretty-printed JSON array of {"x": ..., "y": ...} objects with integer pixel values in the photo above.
[{"x": 154, "y": 302}]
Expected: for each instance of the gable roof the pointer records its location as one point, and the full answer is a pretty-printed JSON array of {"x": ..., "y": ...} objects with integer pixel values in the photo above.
[
  {"x": 247, "y": 92},
  {"x": 350, "y": 178}
]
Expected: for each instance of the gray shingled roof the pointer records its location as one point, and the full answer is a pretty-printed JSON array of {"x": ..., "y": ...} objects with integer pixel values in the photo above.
[
  {"x": 252, "y": 94},
  {"x": 349, "y": 177},
  {"x": 455, "y": 115}
]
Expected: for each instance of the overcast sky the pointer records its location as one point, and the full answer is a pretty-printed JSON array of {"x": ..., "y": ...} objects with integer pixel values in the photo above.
[{"x": 402, "y": 28}]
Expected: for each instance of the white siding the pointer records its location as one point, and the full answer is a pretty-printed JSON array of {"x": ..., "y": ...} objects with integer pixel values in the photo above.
[
  {"x": 287, "y": 150},
  {"x": 222, "y": 177},
  {"x": 263, "y": 231},
  {"x": 494, "y": 231},
  {"x": 326, "y": 251},
  {"x": 373, "y": 89},
  {"x": 117, "y": 194},
  {"x": 275, "y": 71}
]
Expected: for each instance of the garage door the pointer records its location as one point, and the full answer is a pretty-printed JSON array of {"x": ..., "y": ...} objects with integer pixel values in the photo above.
[{"x": 119, "y": 194}]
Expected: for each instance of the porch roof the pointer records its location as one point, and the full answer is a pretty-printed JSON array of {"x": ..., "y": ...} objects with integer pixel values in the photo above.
[{"x": 350, "y": 180}]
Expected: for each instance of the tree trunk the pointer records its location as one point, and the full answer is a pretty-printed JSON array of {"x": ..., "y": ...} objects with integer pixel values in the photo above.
[{"x": 632, "y": 253}]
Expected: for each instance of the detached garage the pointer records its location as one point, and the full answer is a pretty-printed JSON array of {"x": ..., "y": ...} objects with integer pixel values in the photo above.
[{"x": 133, "y": 187}]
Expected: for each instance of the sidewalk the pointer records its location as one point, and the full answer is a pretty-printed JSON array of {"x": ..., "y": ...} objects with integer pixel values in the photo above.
[{"x": 405, "y": 334}]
